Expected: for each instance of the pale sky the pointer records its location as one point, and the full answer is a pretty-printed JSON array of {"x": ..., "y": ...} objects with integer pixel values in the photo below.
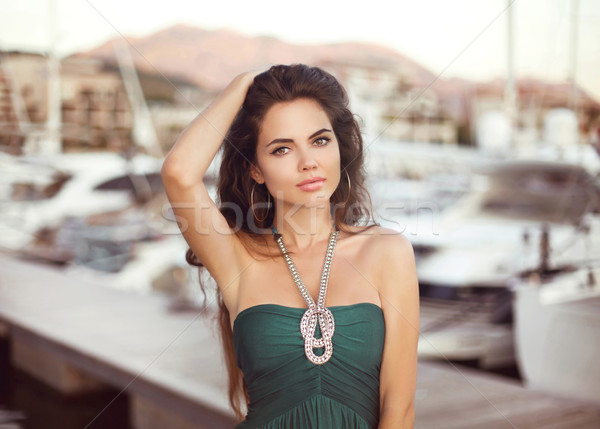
[{"x": 443, "y": 35}]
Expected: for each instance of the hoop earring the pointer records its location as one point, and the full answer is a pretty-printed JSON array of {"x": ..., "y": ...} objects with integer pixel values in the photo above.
[
  {"x": 252, "y": 204},
  {"x": 349, "y": 189}
]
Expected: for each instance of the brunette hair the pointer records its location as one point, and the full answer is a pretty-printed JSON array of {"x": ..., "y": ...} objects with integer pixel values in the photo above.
[{"x": 350, "y": 203}]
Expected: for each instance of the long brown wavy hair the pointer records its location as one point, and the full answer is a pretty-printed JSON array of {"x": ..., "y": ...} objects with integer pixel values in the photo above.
[{"x": 350, "y": 203}]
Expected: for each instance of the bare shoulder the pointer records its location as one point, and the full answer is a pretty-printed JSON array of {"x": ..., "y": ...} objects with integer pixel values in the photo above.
[
  {"x": 392, "y": 253},
  {"x": 379, "y": 241},
  {"x": 384, "y": 241}
]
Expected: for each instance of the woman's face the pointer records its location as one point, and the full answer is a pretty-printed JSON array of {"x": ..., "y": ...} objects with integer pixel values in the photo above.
[{"x": 296, "y": 142}]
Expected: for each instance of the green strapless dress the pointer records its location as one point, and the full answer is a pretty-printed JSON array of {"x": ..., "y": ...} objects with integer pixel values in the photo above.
[{"x": 288, "y": 391}]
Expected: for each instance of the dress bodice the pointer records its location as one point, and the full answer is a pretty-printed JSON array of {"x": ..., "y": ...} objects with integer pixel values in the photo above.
[{"x": 287, "y": 390}]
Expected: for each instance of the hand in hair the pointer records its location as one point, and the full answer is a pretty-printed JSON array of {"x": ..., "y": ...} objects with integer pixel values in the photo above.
[{"x": 249, "y": 75}]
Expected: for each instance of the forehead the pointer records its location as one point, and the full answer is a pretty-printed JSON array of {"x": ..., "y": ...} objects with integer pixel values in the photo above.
[{"x": 293, "y": 119}]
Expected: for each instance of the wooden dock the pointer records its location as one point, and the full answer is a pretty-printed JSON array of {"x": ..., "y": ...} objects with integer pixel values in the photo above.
[
  {"x": 78, "y": 336},
  {"x": 455, "y": 397}
]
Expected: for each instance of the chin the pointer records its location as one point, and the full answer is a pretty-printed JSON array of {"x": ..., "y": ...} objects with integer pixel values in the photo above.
[{"x": 318, "y": 199}]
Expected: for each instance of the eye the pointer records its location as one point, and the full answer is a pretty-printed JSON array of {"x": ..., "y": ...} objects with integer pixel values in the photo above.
[
  {"x": 323, "y": 140},
  {"x": 277, "y": 151}
]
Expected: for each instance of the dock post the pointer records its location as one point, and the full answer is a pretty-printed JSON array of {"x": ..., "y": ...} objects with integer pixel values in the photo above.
[
  {"x": 50, "y": 368},
  {"x": 147, "y": 414}
]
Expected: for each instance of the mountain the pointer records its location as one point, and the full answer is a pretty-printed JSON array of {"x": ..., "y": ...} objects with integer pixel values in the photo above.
[{"x": 210, "y": 59}]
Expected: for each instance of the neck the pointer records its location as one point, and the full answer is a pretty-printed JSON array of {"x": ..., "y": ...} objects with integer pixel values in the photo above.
[{"x": 305, "y": 228}]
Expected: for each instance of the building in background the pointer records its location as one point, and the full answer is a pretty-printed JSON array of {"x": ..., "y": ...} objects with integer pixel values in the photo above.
[
  {"x": 394, "y": 103},
  {"x": 396, "y": 100},
  {"x": 95, "y": 111}
]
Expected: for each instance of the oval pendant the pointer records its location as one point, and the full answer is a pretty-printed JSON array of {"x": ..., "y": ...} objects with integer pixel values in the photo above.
[{"x": 308, "y": 325}]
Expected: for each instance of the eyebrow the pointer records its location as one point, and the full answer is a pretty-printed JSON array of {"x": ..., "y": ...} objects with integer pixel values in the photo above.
[{"x": 282, "y": 140}]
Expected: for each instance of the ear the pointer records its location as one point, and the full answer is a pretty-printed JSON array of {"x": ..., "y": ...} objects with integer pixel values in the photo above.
[{"x": 256, "y": 174}]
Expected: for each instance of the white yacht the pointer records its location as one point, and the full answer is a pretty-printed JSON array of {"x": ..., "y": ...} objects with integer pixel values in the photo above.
[
  {"x": 557, "y": 326},
  {"x": 522, "y": 217}
]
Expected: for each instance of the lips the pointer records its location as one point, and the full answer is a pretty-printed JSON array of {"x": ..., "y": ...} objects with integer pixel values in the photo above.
[
  {"x": 311, "y": 180},
  {"x": 313, "y": 184}
]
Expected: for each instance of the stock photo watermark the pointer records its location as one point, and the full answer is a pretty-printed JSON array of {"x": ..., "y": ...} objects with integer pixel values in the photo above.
[{"x": 418, "y": 217}]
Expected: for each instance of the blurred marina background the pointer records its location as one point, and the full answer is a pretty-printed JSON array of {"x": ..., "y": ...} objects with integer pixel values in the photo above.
[{"x": 481, "y": 124}]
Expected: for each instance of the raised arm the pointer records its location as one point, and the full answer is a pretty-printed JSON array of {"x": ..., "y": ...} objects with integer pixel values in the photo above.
[
  {"x": 193, "y": 151},
  {"x": 201, "y": 223}
]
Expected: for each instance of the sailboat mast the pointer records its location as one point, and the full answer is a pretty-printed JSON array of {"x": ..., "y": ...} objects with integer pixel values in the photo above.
[
  {"x": 510, "y": 93},
  {"x": 53, "y": 142},
  {"x": 144, "y": 133},
  {"x": 573, "y": 56}
]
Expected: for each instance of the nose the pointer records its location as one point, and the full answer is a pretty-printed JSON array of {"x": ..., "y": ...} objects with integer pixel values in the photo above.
[{"x": 308, "y": 161}]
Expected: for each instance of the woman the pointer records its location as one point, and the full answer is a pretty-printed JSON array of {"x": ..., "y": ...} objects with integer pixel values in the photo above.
[{"x": 319, "y": 317}]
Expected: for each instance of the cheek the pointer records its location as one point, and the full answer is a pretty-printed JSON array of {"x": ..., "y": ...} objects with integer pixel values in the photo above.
[
  {"x": 278, "y": 176},
  {"x": 333, "y": 156}
]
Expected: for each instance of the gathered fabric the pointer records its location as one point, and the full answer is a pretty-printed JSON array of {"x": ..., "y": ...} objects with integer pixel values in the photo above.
[{"x": 287, "y": 390}]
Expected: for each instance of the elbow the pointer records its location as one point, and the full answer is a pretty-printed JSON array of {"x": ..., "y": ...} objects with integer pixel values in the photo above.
[
  {"x": 181, "y": 173},
  {"x": 167, "y": 171},
  {"x": 172, "y": 166},
  {"x": 172, "y": 174}
]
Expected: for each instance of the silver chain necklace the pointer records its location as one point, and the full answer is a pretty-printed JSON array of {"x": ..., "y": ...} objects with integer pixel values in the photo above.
[{"x": 315, "y": 312}]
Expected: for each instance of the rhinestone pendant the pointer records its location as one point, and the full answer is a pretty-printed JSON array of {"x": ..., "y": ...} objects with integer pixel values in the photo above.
[
  {"x": 316, "y": 313},
  {"x": 308, "y": 325}
]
